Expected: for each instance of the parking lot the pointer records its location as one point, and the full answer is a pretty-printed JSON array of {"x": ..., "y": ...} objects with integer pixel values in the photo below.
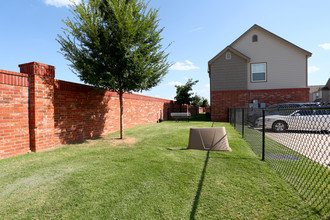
[{"x": 313, "y": 145}]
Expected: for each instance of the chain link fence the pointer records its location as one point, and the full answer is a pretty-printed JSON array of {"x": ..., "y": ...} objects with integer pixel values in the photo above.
[{"x": 296, "y": 142}]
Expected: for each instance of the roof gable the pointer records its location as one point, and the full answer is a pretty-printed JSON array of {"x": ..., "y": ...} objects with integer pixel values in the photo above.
[
  {"x": 232, "y": 50},
  {"x": 257, "y": 27},
  {"x": 328, "y": 84}
]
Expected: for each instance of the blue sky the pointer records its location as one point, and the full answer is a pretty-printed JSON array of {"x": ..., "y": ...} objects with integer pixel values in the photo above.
[{"x": 197, "y": 29}]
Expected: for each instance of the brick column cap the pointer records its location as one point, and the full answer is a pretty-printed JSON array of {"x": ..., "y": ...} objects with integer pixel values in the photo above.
[
  {"x": 35, "y": 68},
  {"x": 36, "y": 64}
]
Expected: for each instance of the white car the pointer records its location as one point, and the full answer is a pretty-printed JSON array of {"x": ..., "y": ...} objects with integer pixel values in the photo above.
[{"x": 311, "y": 120}]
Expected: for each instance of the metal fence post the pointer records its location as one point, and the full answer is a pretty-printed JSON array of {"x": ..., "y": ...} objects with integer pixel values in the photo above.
[
  {"x": 229, "y": 115},
  {"x": 234, "y": 117},
  {"x": 242, "y": 122},
  {"x": 263, "y": 135}
]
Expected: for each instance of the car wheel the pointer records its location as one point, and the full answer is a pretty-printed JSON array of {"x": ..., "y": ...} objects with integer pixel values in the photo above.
[{"x": 279, "y": 126}]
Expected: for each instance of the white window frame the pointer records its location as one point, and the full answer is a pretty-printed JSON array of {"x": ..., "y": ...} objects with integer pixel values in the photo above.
[{"x": 257, "y": 81}]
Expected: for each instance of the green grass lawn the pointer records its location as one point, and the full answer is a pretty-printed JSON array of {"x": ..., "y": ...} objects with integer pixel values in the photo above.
[{"x": 147, "y": 180}]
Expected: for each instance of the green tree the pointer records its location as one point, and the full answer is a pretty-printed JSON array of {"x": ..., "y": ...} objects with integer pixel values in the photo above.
[
  {"x": 204, "y": 103},
  {"x": 115, "y": 45},
  {"x": 183, "y": 93},
  {"x": 196, "y": 100}
]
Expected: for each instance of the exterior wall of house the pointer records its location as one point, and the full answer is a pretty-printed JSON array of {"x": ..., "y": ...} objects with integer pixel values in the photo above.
[
  {"x": 40, "y": 113},
  {"x": 228, "y": 74},
  {"x": 286, "y": 76},
  {"x": 326, "y": 95},
  {"x": 286, "y": 66},
  {"x": 315, "y": 95},
  {"x": 223, "y": 100},
  {"x": 315, "y": 92}
]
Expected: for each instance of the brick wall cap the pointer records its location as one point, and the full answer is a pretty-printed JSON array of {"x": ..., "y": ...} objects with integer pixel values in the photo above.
[
  {"x": 14, "y": 73},
  {"x": 63, "y": 85},
  {"x": 36, "y": 64}
]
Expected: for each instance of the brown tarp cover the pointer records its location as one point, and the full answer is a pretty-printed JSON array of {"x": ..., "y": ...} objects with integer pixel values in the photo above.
[{"x": 214, "y": 139}]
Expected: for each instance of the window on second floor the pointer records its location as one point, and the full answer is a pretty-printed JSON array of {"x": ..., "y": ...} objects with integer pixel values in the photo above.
[
  {"x": 258, "y": 72},
  {"x": 255, "y": 38}
]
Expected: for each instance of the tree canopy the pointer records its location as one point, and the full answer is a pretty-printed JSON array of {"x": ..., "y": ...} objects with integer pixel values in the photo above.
[
  {"x": 115, "y": 45},
  {"x": 183, "y": 93},
  {"x": 196, "y": 100},
  {"x": 199, "y": 101},
  {"x": 204, "y": 103}
]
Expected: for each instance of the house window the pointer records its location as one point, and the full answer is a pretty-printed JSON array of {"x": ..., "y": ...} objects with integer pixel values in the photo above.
[
  {"x": 258, "y": 72},
  {"x": 255, "y": 38},
  {"x": 228, "y": 56}
]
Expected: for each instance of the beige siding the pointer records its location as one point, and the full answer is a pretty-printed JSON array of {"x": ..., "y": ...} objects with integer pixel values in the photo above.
[
  {"x": 286, "y": 66},
  {"x": 229, "y": 74}
]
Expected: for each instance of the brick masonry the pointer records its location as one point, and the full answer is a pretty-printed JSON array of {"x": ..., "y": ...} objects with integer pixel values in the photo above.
[
  {"x": 85, "y": 112},
  {"x": 221, "y": 101},
  {"x": 40, "y": 113},
  {"x": 14, "y": 114},
  {"x": 41, "y": 78}
]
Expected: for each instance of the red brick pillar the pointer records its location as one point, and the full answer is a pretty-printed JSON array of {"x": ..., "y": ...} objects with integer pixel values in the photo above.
[{"x": 41, "y": 96}]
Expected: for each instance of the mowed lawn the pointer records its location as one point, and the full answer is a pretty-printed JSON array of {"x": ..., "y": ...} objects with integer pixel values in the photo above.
[{"x": 144, "y": 179}]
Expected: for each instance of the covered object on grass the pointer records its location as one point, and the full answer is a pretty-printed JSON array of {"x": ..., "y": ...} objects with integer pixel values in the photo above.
[{"x": 214, "y": 139}]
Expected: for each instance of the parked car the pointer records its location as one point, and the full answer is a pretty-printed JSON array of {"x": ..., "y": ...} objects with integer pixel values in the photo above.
[
  {"x": 311, "y": 120},
  {"x": 280, "y": 109}
]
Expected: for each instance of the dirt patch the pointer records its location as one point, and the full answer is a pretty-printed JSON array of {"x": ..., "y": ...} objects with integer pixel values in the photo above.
[{"x": 126, "y": 142}]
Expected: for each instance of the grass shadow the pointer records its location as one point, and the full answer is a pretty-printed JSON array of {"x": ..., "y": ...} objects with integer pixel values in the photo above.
[
  {"x": 170, "y": 148},
  {"x": 199, "y": 188}
]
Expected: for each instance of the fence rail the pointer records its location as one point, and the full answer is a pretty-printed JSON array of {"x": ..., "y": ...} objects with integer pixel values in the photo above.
[{"x": 296, "y": 143}]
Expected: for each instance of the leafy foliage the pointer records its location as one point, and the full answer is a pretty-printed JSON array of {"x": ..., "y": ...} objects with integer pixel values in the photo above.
[
  {"x": 199, "y": 101},
  {"x": 183, "y": 93},
  {"x": 204, "y": 103},
  {"x": 115, "y": 45},
  {"x": 196, "y": 100}
]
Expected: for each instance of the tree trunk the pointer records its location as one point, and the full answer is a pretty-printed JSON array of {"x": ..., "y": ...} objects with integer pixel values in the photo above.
[{"x": 121, "y": 115}]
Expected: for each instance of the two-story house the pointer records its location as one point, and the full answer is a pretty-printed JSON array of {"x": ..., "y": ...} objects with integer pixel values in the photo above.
[{"x": 258, "y": 67}]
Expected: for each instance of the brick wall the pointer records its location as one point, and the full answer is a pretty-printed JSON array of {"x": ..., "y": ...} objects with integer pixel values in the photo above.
[
  {"x": 85, "y": 112},
  {"x": 14, "y": 114},
  {"x": 222, "y": 100},
  {"x": 39, "y": 113}
]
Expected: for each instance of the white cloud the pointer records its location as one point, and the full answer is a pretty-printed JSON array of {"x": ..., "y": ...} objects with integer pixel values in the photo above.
[
  {"x": 325, "y": 46},
  {"x": 313, "y": 69},
  {"x": 197, "y": 29},
  {"x": 190, "y": 63},
  {"x": 61, "y": 3},
  {"x": 184, "y": 66},
  {"x": 207, "y": 85},
  {"x": 174, "y": 83}
]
